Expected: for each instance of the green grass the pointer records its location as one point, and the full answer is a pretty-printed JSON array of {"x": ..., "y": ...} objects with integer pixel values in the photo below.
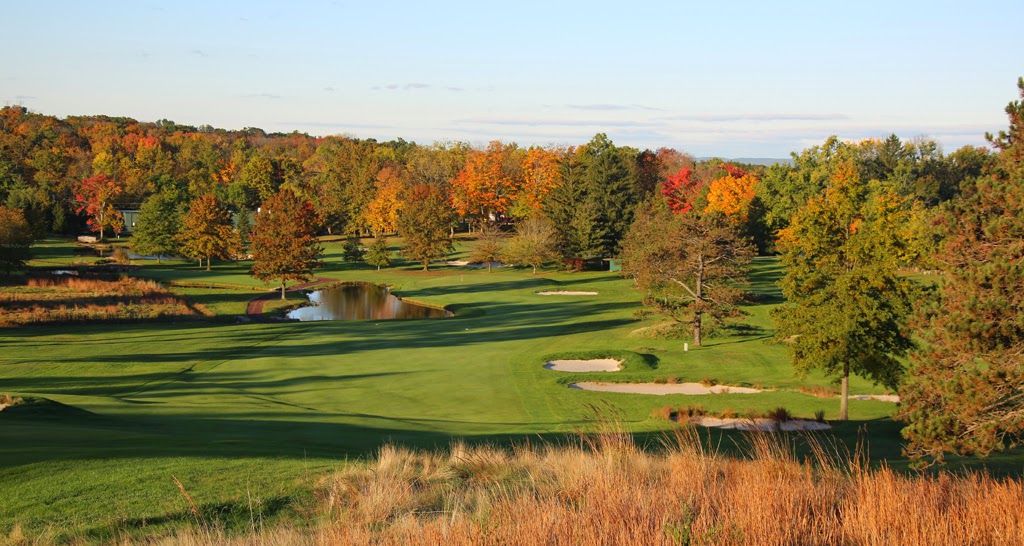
[{"x": 260, "y": 411}]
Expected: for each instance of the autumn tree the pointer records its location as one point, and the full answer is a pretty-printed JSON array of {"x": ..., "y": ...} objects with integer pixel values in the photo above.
[
  {"x": 965, "y": 388},
  {"x": 687, "y": 264},
  {"x": 847, "y": 307},
  {"x": 425, "y": 224},
  {"x": 15, "y": 240},
  {"x": 490, "y": 242},
  {"x": 95, "y": 197},
  {"x": 207, "y": 231},
  {"x": 284, "y": 242},
  {"x": 489, "y": 183},
  {"x": 533, "y": 243},
  {"x": 732, "y": 194},
  {"x": 681, "y": 190},
  {"x": 383, "y": 211},
  {"x": 156, "y": 231},
  {"x": 378, "y": 254},
  {"x": 541, "y": 173}
]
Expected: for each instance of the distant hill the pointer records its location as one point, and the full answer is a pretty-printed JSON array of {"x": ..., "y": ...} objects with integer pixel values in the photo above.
[{"x": 754, "y": 160}]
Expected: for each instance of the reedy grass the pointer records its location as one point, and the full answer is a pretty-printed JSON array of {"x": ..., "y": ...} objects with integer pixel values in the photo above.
[{"x": 604, "y": 489}]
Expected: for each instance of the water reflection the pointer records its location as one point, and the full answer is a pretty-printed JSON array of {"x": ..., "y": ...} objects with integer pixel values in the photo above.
[{"x": 361, "y": 302}]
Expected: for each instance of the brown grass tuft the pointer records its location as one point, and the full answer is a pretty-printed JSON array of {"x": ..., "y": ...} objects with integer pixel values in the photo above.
[
  {"x": 73, "y": 299},
  {"x": 605, "y": 490}
]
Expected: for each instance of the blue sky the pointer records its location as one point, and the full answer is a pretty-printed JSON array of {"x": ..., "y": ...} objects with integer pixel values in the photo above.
[{"x": 732, "y": 79}]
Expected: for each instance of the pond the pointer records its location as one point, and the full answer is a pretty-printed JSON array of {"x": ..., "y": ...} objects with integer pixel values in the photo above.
[{"x": 361, "y": 302}]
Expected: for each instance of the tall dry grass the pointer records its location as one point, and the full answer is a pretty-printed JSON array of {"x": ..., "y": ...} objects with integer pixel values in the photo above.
[
  {"x": 72, "y": 299},
  {"x": 606, "y": 491}
]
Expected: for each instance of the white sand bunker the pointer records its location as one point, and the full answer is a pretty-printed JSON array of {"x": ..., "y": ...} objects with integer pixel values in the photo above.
[
  {"x": 595, "y": 365},
  {"x": 661, "y": 388},
  {"x": 878, "y": 397},
  {"x": 475, "y": 265},
  {"x": 565, "y": 293},
  {"x": 762, "y": 424}
]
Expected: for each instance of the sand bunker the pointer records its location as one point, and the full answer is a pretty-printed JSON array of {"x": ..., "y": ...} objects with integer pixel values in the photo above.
[
  {"x": 475, "y": 265},
  {"x": 758, "y": 424},
  {"x": 661, "y": 388},
  {"x": 879, "y": 397},
  {"x": 595, "y": 365},
  {"x": 565, "y": 293}
]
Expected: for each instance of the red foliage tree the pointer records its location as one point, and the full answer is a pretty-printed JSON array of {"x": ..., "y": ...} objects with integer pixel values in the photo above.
[
  {"x": 95, "y": 198},
  {"x": 681, "y": 190}
]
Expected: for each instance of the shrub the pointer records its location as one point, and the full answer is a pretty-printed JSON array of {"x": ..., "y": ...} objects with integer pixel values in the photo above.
[
  {"x": 660, "y": 380},
  {"x": 728, "y": 413},
  {"x": 664, "y": 413},
  {"x": 818, "y": 391},
  {"x": 672, "y": 380},
  {"x": 779, "y": 415},
  {"x": 120, "y": 255},
  {"x": 695, "y": 410},
  {"x": 8, "y": 400},
  {"x": 819, "y": 416},
  {"x": 709, "y": 382}
]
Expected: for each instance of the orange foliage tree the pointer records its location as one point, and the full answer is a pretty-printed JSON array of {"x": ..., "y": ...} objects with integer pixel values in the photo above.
[
  {"x": 489, "y": 183},
  {"x": 542, "y": 172},
  {"x": 732, "y": 194},
  {"x": 95, "y": 197},
  {"x": 383, "y": 211}
]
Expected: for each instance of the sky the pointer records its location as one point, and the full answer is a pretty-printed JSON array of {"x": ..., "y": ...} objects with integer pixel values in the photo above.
[{"x": 727, "y": 79}]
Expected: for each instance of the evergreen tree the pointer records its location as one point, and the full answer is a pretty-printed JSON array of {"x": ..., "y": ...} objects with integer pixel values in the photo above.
[
  {"x": 377, "y": 254},
  {"x": 352, "y": 250},
  {"x": 156, "y": 231},
  {"x": 965, "y": 390}
]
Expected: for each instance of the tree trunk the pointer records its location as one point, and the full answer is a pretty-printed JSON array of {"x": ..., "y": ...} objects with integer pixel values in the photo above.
[
  {"x": 699, "y": 285},
  {"x": 282, "y": 290},
  {"x": 844, "y": 400},
  {"x": 207, "y": 263},
  {"x": 534, "y": 270},
  {"x": 425, "y": 265},
  {"x": 488, "y": 267}
]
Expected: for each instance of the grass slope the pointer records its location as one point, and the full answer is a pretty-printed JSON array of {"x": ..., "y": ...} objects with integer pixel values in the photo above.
[{"x": 261, "y": 410}]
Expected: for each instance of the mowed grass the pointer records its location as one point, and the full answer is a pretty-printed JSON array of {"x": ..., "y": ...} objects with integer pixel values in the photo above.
[{"x": 245, "y": 413}]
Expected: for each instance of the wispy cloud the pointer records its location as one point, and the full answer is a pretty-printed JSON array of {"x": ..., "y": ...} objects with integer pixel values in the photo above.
[
  {"x": 537, "y": 122},
  {"x": 756, "y": 117},
  {"x": 335, "y": 125},
  {"x": 415, "y": 86},
  {"x": 198, "y": 53},
  {"x": 329, "y": 89},
  {"x": 611, "y": 107}
]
